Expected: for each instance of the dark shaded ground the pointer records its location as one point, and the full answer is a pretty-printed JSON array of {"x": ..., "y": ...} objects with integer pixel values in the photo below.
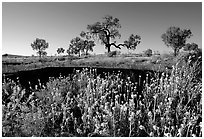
[{"x": 43, "y": 74}]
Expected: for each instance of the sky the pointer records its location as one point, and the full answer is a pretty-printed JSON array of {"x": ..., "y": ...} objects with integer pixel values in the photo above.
[{"x": 59, "y": 22}]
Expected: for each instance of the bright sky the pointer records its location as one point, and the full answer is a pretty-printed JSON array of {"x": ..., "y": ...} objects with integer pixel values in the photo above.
[{"x": 58, "y": 23}]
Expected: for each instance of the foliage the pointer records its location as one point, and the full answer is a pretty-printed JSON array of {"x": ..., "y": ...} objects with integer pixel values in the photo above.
[
  {"x": 86, "y": 104},
  {"x": 176, "y": 38},
  {"x": 40, "y": 45},
  {"x": 79, "y": 45},
  {"x": 88, "y": 43},
  {"x": 76, "y": 46},
  {"x": 190, "y": 47},
  {"x": 148, "y": 52},
  {"x": 132, "y": 42},
  {"x": 60, "y": 50},
  {"x": 107, "y": 30}
]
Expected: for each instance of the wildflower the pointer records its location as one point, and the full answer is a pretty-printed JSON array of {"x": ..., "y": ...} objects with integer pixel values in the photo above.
[
  {"x": 150, "y": 114},
  {"x": 155, "y": 96},
  {"x": 179, "y": 132},
  {"x": 173, "y": 127},
  {"x": 138, "y": 112},
  {"x": 151, "y": 134},
  {"x": 167, "y": 134},
  {"x": 79, "y": 131},
  {"x": 128, "y": 78},
  {"x": 200, "y": 124},
  {"x": 141, "y": 127},
  {"x": 113, "y": 108},
  {"x": 154, "y": 127},
  {"x": 170, "y": 99},
  {"x": 193, "y": 135},
  {"x": 157, "y": 111},
  {"x": 103, "y": 124}
]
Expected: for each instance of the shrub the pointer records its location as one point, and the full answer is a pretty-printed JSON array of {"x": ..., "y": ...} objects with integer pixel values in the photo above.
[
  {"x": 61, "y": 58},
  {"x": 148, "y": 52},
  {"x": 113, "y": 53}
]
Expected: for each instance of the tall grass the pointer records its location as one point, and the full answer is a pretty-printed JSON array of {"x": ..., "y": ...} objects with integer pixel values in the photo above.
[{"x": 85, "y": 104}]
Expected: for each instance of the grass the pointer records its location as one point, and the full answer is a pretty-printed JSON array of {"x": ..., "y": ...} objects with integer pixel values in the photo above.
[
  {"x": 85, "y": 104},
  {"x": 15, "y": 64}
]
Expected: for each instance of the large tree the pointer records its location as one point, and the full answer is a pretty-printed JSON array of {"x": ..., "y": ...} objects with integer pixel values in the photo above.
[
  {"x": 40, "y": 45},
  {"x": 175, "y": 38},
  {"x": 107, "y": 31}
]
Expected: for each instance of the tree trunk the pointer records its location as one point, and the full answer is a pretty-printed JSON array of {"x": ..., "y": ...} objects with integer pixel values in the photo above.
[
  {"x": 86, "y": 52},
  {"x": 108, "y": 47},
  {"x": 175, "y": 52},
  {"x": 40, "y": 54}
]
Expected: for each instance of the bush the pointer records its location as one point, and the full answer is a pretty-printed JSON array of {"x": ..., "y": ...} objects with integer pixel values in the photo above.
[
  {"x": 148, "y": 52},
  {"x": 61, "y": 58},
  {"x": 45, "y": 59},
  {"x": 156, "y": 59},
  {"x": 113, "y": 53}
]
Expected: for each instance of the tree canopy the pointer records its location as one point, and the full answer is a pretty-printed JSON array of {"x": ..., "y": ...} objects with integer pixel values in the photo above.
[
  {"x": 132, "y": 41},
  {"x": 60, "y": 50},
  {"x": 88, "y": 43},
  {"x": 190, "y": 47},
  {"x": 148, "y": 52},
  {"x": 107, "y": 31},
  {"x": 175, "y": 38},
  {"x": 40, "y": 45},
  {"x": 76, "y": 46}
]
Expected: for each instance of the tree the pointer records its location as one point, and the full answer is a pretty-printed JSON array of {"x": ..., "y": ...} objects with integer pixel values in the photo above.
[
  {"x": 60, "y": 50},
  {"x": 69, "y": 51},
  {"x": 176, "y": 38},
  {"x": 132, "y": 42},
  {"x": 190, "y": 47},
  {"x": 148, "y": 52},
  {"x": 76, "y": 46},
  {"x": 40, "y": 45},
  {"x": 106, "y": 31},
  {"x": 44, "y": 53},
  {"x": 88, "y": 43}
]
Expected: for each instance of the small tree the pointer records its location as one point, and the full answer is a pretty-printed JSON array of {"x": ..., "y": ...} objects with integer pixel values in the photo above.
[
  {"x": 148, "y": 52},
  {"x": 88, "y": 44},
  {"x": 176, "y": 38},
  {"x": 107, "y": 31},
  {"x": 40, "y": 45},
  {"x": 60, "y": 50},
  {"x": 76, "y": 46},
  {"x": 190, "y": 47}
]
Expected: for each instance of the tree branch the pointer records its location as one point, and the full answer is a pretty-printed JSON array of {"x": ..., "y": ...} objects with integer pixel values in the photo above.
[{"x": 118, "y": 46}]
